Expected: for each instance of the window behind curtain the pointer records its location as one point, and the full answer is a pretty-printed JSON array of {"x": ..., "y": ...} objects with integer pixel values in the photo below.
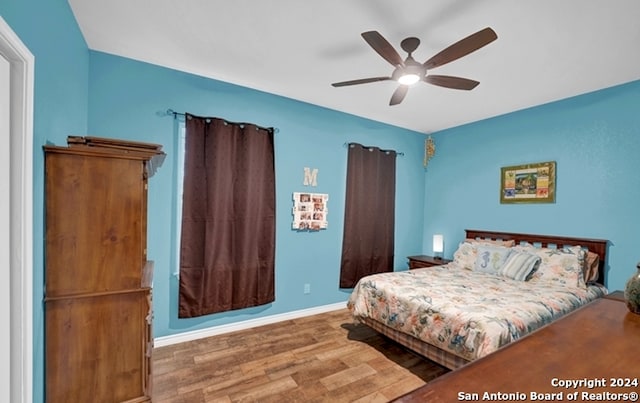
[
  {"x": 368, "y": 241},
  {"x": 179, "y": 186}
]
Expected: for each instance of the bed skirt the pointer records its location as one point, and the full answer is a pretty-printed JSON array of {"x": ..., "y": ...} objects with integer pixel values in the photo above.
[{"x": 438, "y": 355}]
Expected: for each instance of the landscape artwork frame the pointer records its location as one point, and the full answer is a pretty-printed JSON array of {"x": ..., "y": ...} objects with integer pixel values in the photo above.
[{"x": 528, "y": 183}]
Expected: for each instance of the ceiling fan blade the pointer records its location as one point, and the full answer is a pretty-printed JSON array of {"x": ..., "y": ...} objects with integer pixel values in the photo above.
[
  {"x": 361, "y": 81},
  {"x": 461, "y": 48},
  {"x": 399, "y": 94},
  {"x": 457, "y": 83},
  {"x": 383, "y": 47}
]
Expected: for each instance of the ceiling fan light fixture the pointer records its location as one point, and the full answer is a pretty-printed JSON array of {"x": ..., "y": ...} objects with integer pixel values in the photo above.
[
  {"x": 409, "y": 71},
  {"x": 409, "y": 79}
]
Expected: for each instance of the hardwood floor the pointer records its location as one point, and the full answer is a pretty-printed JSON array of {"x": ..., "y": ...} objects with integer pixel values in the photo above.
[{"x": 320, "y": 358}]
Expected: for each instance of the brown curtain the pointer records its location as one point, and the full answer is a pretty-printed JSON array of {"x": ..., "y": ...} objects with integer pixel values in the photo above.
[
  {"x": 228, "y": 218},
  {"x": 368, "y": 240}
]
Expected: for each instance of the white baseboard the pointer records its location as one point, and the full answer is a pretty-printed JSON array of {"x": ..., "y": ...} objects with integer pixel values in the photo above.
[{"x": 247, "y": 324}]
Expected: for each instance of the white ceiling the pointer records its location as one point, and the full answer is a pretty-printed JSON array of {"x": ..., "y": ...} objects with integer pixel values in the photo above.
[{"x": 546, "y": 49}]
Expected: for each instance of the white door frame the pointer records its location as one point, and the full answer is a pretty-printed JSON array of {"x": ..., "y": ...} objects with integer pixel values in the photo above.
[{"x": 21, "y": 63}]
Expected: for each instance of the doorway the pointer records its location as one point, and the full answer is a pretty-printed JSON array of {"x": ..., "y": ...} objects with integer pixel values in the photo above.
[{"x": 16, "y": 217}]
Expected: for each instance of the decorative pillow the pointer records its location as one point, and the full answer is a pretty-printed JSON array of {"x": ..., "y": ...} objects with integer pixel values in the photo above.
[
  {"x": 519, "y": 265},
  {"x": 489, "y": 259},
  {"x": 465, "y": 255},
  {"x": 559, "y": 266},
  {"x": 507, "y": 244},
  {"x": 591, "y": 264}
]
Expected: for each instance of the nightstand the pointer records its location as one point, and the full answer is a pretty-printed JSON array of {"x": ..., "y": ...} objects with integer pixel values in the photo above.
[{"x": 416, "y": 262}]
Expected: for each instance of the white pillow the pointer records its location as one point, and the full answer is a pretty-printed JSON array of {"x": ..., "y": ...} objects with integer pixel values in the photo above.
[{"x": 465, "y": 255}]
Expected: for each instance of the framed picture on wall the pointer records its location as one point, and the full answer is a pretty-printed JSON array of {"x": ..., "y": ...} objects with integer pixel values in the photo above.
[
  {"x": 310, "y": 211},
  {"x": 530, "y": 183}
]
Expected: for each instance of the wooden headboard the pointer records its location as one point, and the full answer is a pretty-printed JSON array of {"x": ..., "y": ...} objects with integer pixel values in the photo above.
[{"x": 598, "y": 246}]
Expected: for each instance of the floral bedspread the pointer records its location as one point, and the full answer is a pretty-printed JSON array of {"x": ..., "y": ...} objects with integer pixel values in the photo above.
[{"x": 467, "y": 313}]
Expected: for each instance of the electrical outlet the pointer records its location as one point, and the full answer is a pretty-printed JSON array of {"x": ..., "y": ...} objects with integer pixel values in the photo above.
[{"x": 307, "y": 288}]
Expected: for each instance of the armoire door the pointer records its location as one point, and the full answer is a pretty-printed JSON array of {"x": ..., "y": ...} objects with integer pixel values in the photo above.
[{"x": 97, "y": 280}]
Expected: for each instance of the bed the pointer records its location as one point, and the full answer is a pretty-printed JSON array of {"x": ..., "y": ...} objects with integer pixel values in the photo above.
[{"x": 499, "y": 287}]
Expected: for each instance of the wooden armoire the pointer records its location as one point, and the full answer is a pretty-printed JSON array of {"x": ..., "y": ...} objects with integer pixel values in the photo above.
[{"x": 97, "y": 277}]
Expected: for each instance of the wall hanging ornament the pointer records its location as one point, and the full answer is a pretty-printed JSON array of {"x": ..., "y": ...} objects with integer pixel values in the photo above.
[
  {"x": 310, "y": 176},
  {"x": 429, "y": 150}
]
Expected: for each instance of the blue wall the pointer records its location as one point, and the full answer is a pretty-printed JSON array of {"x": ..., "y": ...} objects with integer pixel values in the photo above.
[
  {"x": 49, "y": 30},
  {"x": 127, "y": 100},
  {"x": 595, "y": 140}
]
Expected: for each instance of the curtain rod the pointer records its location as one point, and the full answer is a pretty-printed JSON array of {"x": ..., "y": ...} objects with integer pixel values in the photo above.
[
  {"x": 397, "y": 153},
  {"x": 176, "y": 114}
]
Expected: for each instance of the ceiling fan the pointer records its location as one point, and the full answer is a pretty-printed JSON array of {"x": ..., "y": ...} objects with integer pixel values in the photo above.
[{"x": 409, "y": 71}]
